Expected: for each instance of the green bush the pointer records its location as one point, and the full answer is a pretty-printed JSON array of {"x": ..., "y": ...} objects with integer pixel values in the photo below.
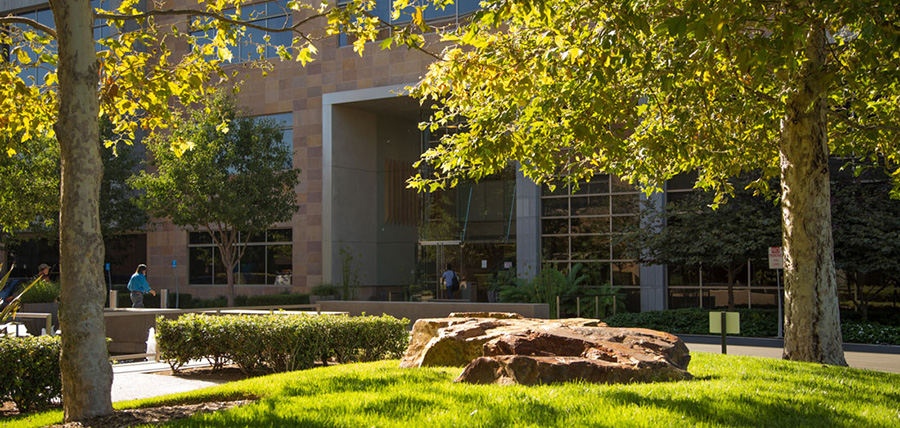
[
  {"x": 42, "y": 292},
  {"x": 853, "y": 332},
  {"x": 754, "y": 323},
  {"x": 29, "y": 371},
  {"x": 278, "y": 342}
]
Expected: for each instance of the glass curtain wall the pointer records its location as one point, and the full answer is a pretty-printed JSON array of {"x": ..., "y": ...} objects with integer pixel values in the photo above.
[
  {"x": 267, "y": 260},
  {"x": 471, "y": 226},
  {"x": 577, "y": 226}
]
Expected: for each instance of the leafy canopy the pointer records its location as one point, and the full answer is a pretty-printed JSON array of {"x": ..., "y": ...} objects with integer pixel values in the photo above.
[
  {"x": 650, "y": 89},
  {"x": 236, "y": 176}
]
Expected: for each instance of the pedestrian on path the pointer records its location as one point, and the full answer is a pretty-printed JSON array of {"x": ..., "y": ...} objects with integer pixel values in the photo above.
[{"x": 138, "y": 285}]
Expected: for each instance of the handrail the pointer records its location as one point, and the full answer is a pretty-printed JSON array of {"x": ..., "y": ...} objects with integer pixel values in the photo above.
[{"x": 47, "y": 317}]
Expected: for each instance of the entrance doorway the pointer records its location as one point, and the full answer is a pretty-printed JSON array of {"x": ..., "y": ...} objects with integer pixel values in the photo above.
[{"x": 434, "y": 257}]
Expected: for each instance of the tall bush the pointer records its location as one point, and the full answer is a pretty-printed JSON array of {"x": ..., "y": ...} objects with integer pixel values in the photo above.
[{"x": 29, "y": 371}]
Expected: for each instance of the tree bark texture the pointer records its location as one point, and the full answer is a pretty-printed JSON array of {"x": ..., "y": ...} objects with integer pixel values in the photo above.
[
  {"x": 812, "y": 330},
  {"x": 86, "y": 371}
]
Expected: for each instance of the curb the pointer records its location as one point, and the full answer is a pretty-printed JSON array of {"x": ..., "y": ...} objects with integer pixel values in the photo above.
[{"x": 767, "y": 342}]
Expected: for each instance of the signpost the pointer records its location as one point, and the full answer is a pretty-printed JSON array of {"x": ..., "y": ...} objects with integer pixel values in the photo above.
[
  {"x": 725, "y": 323},
  {"x": 175, "y": 273},
  {"x": 776, "y": 261}
]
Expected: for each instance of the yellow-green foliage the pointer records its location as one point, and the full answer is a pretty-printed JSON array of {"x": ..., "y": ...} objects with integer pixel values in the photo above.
[{"x": 278, "y": 343}]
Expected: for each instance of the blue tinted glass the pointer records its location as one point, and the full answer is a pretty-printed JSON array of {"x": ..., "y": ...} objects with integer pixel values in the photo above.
[
  {"x": 46, "y": 17},
  {"x": 465, "y": 6},
  {"x": 253, "y": 11}
]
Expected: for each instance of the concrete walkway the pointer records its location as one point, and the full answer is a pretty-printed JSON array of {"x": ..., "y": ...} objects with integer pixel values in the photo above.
[
  {"x": 884, "y": 358},
  {"x": 132, "y": 381}
]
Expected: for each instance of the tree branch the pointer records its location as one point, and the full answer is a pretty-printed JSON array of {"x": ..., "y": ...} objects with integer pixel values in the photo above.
[
  {"x": 11, "y": 19},
  {"x": 856, "y": 125},
  {"x": 216, "y": 16}
]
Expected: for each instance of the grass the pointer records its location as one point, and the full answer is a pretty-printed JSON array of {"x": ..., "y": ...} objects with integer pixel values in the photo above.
[{"x": 728, "y": 391}]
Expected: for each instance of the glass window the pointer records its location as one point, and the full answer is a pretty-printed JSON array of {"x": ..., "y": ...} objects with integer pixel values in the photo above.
[
  {"x": 597, "y": 272},
  {"x": 274, "y": 15},
  {"x": 200, "y": 265},
  {"x": 590, "y": 205},
  {"x": 599, "y": 184},
  {"x": 625, "y": 204},
  {"x": 555, "y": 207},
  {"x": 626, "y": 274},
  {"x": 267, "y": 260},
  {"x": 590, "y": 247},
  {"x": 620, "y": 186},
  {"x": 590, "y": 225},
  {"x": 252, "y": 269},
  {"x": 555, "y": 248},
  {"x": 279, "y": 264},
  {"x": 555, "y": 226}
]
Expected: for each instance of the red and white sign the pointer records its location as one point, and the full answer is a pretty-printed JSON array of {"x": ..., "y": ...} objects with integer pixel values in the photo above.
[{"x": 776, "y": 258}]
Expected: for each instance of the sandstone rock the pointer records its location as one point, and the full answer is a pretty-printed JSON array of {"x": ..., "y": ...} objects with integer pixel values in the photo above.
[{"x": 506, "y": 348}]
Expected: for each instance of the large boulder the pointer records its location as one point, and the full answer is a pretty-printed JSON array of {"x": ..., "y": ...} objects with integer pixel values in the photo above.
[{"x": 505, "y": 348}]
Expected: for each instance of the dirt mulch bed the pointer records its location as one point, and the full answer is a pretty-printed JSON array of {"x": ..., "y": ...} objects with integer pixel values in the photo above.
[
  {"x": 134, "y": 417},
  {"x": 153, "y": 415}
]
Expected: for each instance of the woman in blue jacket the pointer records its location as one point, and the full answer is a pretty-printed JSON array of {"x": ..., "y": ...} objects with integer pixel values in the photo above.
[{"x": 138, "y": 285}]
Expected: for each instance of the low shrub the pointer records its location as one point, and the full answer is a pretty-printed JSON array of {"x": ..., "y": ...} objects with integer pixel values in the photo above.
[
  {"x": 278, "y": 342},
  {"x": 853, "y": 332},
  {"x": 29, "y": 371},
  {"x": 42, "y": 292},
  {"x": 754, "y": 323}
]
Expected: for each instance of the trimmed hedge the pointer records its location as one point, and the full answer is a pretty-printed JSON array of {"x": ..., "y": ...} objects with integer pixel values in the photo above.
[
  {"x": 754, "y": 323},
  {"x": 29, "y": 371},
  {"x": 278, "y": 342}
]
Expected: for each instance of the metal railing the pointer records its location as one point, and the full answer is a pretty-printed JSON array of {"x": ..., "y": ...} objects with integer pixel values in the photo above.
[
  {"x": 596, "y": 304},
  {"x": 47, "y": 317}
]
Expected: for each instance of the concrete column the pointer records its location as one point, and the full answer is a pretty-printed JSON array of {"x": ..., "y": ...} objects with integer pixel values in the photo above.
[
  {"x": 528, "y": 226},
  {"x": 653, "y": 277}
]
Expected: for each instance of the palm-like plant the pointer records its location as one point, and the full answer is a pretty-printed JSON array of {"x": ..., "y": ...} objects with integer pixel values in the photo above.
[{"x": 11, "y": 302}]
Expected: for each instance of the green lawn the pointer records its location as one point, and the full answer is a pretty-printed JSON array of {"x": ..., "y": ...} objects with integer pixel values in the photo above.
[{"x": 728, "y": 391}]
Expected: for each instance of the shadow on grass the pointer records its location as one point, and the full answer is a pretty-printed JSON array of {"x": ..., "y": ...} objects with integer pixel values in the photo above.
[{"x": 747, "y": 411}]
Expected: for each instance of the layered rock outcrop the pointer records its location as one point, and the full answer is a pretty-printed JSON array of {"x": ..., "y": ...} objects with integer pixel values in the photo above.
[{"x": 505, "y": 348}]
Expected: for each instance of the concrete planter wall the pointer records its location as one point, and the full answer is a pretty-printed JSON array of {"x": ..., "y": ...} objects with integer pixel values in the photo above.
[
  {"x": 415, "y": 310},
  {"x": 34, "y": 325}
]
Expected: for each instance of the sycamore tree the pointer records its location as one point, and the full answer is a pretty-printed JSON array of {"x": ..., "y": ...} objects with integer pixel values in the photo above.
[
  {"x": 235, "y": 182},
  {"x": 137, "y": 81},
  {"x": 647, "y": 89}
]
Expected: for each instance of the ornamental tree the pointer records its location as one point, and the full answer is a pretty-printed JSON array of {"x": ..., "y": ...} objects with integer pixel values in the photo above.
[
  {"x": 649, "y": 89},
  {"x": 235, "y": 182},
  {"x": 136, "y": 80},
  {"x": 697, "y": 235}
]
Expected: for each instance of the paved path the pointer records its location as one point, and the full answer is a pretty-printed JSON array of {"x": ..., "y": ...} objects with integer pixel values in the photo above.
[
  {"x": 871, "y": 357},
  {"x": 132, "y": 381}
]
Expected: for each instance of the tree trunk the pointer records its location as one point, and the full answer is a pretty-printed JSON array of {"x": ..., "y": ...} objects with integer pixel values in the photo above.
[
  {"x": 86, "y": 371},
  {"x": 812, "y": 317},
  {"x": 227, "y": 251}
]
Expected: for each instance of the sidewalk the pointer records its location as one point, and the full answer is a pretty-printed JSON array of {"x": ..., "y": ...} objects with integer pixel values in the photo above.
[
  {"x": 884, "y": 358},
  {"x": 132, "y": 381}
]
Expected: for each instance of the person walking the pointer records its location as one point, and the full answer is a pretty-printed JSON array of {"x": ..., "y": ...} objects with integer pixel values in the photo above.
[
  {"x": 138, "y": 285},
  {"x": 450, "y": 281}
]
